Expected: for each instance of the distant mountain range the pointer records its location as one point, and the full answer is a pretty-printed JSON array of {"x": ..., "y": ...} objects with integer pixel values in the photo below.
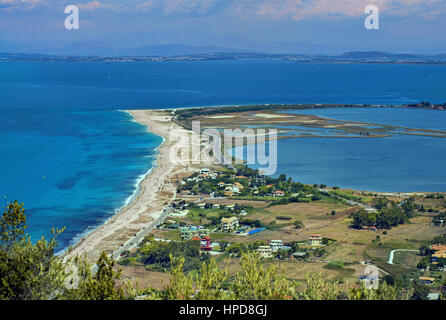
[
  {"x": 377, "y": 55},
  {"x": 175, "y": 50},
  {"x": 386, "y": 55},
  {"x": 94, "y": 51},
  {"x": 94, "y": 48},
  {"x": 98, "y": 48}
]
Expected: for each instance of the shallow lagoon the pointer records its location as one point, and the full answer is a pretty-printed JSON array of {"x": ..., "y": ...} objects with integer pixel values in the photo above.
[{"x": 399, "y": 163}]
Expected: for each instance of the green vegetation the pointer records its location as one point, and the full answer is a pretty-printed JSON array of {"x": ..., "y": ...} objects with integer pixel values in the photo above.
[
  {"x": 335, "y": 265},
  {"x": 346, "y": 195},
  {"x": 100, "y": 285},
  {"x": 32, "y": 271},
  {"x": 298, "y": 224},
  {"x": 27, "y": 271},
  {"x": 435, "y": 196},
  {"x": 388, "y": 215},
  {"x": 157, "y": 255},
  {"x": 237, "y": 249},
  {"x": 425, "y": 248},
  {"x": 420, "y": 291},
  {"x": 439, "y": 219},
  {"x": 256, "y": 281},
  {"x": 253, "y": 186}
]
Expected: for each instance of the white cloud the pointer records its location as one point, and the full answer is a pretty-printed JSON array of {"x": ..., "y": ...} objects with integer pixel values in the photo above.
[{"x": 264, "y": 9}]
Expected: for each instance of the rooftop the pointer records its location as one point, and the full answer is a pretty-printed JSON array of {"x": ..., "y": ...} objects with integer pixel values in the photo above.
[
  {"x": 439, "y": 247},
  {"x": 426, "y": 279}
]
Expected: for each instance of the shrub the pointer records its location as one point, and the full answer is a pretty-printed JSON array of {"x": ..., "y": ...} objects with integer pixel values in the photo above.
[
  {"x": 298, "y": 224},
  {"x": 283, "y": 218},
  {"x": 335, "y": 265}
]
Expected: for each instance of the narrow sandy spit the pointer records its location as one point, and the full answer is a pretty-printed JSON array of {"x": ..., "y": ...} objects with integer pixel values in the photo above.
[{"x": 157, "y": 190}]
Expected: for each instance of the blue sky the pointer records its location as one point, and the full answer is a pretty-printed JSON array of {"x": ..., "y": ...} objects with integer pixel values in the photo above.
[{"x": 295, "y": 26}]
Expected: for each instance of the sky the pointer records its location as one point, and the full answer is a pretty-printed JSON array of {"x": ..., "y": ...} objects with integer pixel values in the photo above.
[{"x": 274, "y": 26}]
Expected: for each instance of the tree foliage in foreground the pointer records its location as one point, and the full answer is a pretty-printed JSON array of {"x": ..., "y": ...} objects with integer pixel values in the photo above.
[
  {"x": 27, "y": 271},
  {"x": 99, "y": 285},
  {"x": 256, "y": 281},
  {"x": 31, "y": 271}
]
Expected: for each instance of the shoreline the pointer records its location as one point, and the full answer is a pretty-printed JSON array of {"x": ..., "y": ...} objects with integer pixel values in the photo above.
[
  {"x": 80, "y": 236},
  {"x": 156, "y": 190}
]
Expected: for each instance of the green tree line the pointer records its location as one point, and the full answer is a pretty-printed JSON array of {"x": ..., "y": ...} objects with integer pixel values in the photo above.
[{"x": 31, "y": 271}]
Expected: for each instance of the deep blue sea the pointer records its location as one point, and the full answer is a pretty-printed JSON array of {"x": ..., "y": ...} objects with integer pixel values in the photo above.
[{"x": 74, "y": 159}]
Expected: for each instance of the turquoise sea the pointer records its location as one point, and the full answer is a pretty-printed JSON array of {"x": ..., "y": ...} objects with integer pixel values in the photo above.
[{"x": 74, "y": 159}]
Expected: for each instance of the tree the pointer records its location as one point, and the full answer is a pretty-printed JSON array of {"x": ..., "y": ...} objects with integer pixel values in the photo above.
[
  {"x": 257, "y": 282},
  {"x": 384, "y": 292},
  {"x": 381, "y": 203},
  {"x": 210, "y": 282},
  {"x": 298, "y": 224},
  {"x": 207, "y": 285},
  {"x": 426, "y": 249},
  {"x": 181, "y": 286},
  {"x": 12, "y": 223},
  {"x": 27, "y": 271},
  {"x": 99, "y": 285},
  {"x": 389, "y": 279},
  {"x": 32, "y": 271},
  {"x": 281, "y": 254},
  {"x": 424, "y": 263},
  {"x": 363, "y": 218},
  {"x": 420, "y": 291},
  {"x": 315, "y": 287}
]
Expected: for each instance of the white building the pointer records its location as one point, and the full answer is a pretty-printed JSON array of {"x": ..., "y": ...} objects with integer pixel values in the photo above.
[
  {"x": 276, "y": 245},
  {"x": 229, "y": 224},
  {"x": 265, "y": 252}
]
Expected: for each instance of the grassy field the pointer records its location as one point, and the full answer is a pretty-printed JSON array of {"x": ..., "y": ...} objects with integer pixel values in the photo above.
[
  {"x": 352, "y": 246},
  {"x": 142, "y": 278},
  {"x": 406, "y": 258}
]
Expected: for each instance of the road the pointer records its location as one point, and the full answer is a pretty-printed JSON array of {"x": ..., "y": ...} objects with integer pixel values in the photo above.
[
  {"x": 350, "y": 202},
  {"x": 133, "y": 242},
  {"x": 392, "y": 253}
]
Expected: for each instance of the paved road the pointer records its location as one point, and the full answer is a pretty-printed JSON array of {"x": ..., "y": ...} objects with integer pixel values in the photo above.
[
  {"x": 392, "y": 253},
  {"x": 133, "y": 242},
  {"x": 350, "y": 202}
]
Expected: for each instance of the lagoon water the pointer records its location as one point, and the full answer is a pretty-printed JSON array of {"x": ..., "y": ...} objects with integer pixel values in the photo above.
[
  {"x": 398, "y": 163},
  {"x": 74, "y": 159}
]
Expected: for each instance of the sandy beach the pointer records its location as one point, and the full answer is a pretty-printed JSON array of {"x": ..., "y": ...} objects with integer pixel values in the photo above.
[{"x": 157, "y": 190}]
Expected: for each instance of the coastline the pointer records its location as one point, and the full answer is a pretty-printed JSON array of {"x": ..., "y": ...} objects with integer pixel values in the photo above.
[
  {"x": 155, "y": 191},
  {"x": 79, "y": 237}
]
